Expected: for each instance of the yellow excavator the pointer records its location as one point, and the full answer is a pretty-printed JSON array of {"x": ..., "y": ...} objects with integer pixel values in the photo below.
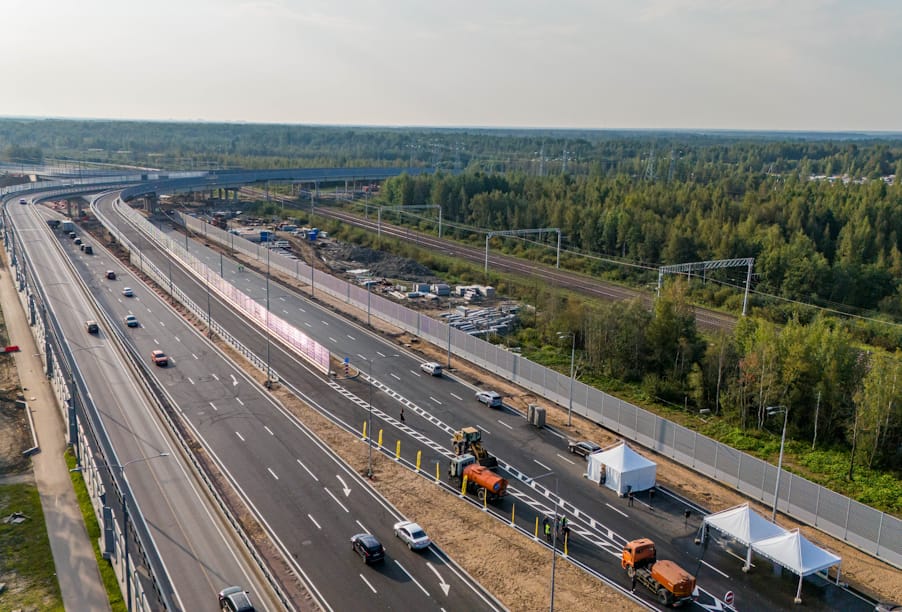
[{"x": 469, "y": 440}]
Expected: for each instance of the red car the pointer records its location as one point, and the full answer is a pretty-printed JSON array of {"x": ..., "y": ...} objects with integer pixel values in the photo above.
[{"x": 159, "y": 358}]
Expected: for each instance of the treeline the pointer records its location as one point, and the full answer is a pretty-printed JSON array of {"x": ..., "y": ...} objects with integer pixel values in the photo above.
[
  {"x": 661, "y": 155},
  {"x": 831, "y": 243}
]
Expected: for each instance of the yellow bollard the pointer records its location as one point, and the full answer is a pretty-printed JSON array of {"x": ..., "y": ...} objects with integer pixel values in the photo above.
[
  {"x": 364, "y": 430},
  {"x": 398, "y": 451},
  {"x": 566, "y": 537},
  {"x": 380, "y": 439},
  {"x": 438, "y": 478},
  {"x": 537, "y": 528},
  {"x": 513, "y": 509},
  {"x": 419, "y": 457},
  {"x": 463, "y": 486},
  {"x": 485, "y": 500}
]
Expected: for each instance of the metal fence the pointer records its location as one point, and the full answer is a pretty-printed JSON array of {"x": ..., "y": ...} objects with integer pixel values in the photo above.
[{"x": 866, "y": 528}]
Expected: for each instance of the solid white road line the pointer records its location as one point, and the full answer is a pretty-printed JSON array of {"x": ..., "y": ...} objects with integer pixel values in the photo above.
[
  {"x": 409, "y": 575},
  {"x": 332, "y": 495},
  {"x": 215, "y": 377},
  {"x": 395, "y": 376},
  {"x": 352, "y": 337},
  {"x": 541, "y": 464},
  {"x": 457, "y": 397},
  {"x": 190, "y": 380},
  {"x": 435, "y": 400},
  {"x": 715, "y": 569},
  {"x": 565, "y": 459},
  {"x": 362, "y": 526},
  {"x": 313, "y": 520},
  {"x": 273, "y": 473},
  {"x": 333, "y": 340},
  {"x": 213, "y": 406},
  {"x": 312, "y": 475},
  {"x": 367, "y": 582},
  {"x": 616, "y": 510},
  {"x": 268, "y": 430},
  {"x": 238, "y": 399},
  {"x": 240, "y": 437}
]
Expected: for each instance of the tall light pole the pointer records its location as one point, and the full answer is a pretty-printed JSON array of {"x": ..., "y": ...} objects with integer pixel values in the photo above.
[
  {"x": 369, "y": 418},
  {"x": 268, "y": 373},
  {"x": 553, "y": 532},
  {"x": 771, "y": 410},
  {"x": 572, "y": 355},
  {"x": 124, "y": 489}
]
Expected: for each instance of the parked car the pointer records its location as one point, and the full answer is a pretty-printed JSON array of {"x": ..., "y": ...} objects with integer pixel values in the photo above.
[
  {"x": 582, "y": 447},
  {"x": 235, "y": 599},
  {"x": 432, "y": 368},
  {"x": 131, "y": 321},
  {"x": 412, "y": 534},
  {"x": 368, "y": 547},
  {"x": 92, "y": 327},
  {"x": 492, "y": 399},
  {"x": 111, "y": 275},
  {"x": 127, "y": 292},
  {"x": 159, "y": 358}
]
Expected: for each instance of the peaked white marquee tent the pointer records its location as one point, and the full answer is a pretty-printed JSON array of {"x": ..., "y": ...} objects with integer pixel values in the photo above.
[
  {"x": 789, "y": 549},
  {"x": 794, "y": 552},
  {"x": 743, "y": 525},
  {"x": 621, "y": 469}
]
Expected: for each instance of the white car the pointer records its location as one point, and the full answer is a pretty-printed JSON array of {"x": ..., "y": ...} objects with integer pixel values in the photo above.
[
  {"x": 432, "y": 368},
  {"x": 412, "y": 535},
  {"x": 127, "y": 292},
  {"x": 490, "y": 398}
]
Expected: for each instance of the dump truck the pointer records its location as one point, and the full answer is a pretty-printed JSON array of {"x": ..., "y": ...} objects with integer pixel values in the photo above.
[
  {"x": 668, "y": 581},
  {"x": 481, "y": 481},
  {"x": 469, "y": 440}
]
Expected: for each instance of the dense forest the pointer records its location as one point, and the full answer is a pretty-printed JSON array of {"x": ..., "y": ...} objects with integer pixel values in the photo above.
[{"x": 820, "y": 213}]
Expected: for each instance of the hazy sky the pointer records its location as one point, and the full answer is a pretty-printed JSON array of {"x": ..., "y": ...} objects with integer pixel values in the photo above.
[{"x": 745, "y": 64}]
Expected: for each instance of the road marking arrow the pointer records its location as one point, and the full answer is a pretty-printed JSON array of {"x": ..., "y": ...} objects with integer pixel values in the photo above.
[
  {"x": 345, "y": 488},
  {"x": 234, "y": 381},
  {"x": 441, "y": 581}
]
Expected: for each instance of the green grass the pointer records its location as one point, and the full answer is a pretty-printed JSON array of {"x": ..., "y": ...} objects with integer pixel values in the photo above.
[
  {"x": 26, "y": 561},
  {"x": 107, "y": 575}
]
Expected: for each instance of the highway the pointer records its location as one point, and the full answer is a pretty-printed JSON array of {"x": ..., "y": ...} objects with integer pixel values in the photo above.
[
  {"x": 201, "y": 556},
  {"x": 601, "y": 521},
  {"x": 309, "y": 502}
]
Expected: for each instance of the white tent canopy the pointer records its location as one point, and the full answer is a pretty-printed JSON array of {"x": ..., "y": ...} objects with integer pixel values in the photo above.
[
  {"x": 623, "y": 468},
  {"x": 744, "y": 525},
  {"x": 794, "y": 552}
]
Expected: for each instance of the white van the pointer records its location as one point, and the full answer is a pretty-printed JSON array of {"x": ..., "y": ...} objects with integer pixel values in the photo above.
[
  {"x": 432, "y": 368},
  {"x": 281, "y": 244}
]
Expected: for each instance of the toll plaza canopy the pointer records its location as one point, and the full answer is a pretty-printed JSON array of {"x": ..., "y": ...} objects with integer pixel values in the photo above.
[{"x": 621, "y": 469}]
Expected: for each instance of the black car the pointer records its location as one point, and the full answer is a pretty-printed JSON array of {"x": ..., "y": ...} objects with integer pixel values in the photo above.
[
  {"x": 583, "y": 447},
  {"x": 235, "y": 599},
  {"x": 368, "y": 547}
]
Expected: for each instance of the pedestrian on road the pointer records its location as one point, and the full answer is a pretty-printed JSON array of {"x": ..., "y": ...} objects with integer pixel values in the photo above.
[
  {"x": 547, "y": 531},
  {"x": 651, "y": 496},
  {"x": 402, "y": 415},
  {"x": 633, "y": 582},
  {"x": 630, "y": 496}
]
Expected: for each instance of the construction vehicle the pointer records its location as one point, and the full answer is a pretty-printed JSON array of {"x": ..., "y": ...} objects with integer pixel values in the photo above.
[
  {"x": 469, "y": 441},
  {"x": 668, "y": 581},
  {"x": 481, "y": 481}
]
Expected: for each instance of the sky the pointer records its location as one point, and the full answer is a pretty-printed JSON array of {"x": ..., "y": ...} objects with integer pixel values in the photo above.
[{"x": 607, "y": 64}]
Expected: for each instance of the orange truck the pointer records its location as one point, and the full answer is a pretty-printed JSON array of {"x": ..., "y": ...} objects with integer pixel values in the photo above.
[
  {"x": 481, "y": 481},
  {"x": 668, "y": 581}
]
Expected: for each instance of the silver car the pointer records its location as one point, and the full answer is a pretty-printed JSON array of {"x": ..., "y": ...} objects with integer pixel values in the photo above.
[{"x": 412, "y": 535}]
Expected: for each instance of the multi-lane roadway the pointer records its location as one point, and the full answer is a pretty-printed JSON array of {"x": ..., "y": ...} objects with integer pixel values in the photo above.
[{"x": 435, "y": 407}]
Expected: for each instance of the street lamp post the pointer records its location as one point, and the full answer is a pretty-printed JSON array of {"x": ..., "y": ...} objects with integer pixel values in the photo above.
[
  {"x": 572, "y": 355},
  {"x": 124, "y": 491},
  {"x": 771, "y": 410},
  {"x": 369, "y": 418},
  {"x": 553, "y": 532}
]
